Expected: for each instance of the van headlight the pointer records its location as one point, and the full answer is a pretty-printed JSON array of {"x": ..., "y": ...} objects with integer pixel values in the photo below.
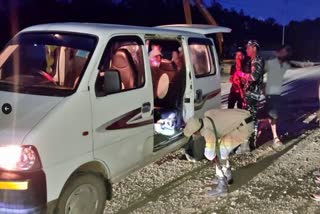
[{"x": 19, "y": 158}]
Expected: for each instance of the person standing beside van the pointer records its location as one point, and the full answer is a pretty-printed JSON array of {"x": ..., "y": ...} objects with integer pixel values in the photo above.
[
  {"x": 275, "y": 70},
  {"x": 253, "y": 88},
  {"x": 223, "y": 130},
  {"x": 236, "y": 94}
]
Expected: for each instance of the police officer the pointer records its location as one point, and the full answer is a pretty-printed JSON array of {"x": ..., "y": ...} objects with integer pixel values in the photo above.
[{"x": 223, "y": 131}]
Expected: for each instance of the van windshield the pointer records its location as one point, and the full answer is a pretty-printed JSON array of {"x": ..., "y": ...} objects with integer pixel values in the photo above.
[{"x": 45, "y": 63}]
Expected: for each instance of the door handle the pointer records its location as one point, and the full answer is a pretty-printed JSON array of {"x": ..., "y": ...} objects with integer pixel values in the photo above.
[
  {"x": 146, "y": 107},
  {"x": 198, "y": 96}
]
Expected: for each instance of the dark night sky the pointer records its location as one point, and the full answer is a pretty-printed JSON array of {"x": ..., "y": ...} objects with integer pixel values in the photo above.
[{"x": 283, "y": 11}]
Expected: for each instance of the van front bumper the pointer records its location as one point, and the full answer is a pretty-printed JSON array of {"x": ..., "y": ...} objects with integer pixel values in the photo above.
[{"x": 22, "y": 192}]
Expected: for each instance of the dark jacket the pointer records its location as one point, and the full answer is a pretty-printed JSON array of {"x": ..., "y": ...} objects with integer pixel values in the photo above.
[{"x": 257, "y": 68}]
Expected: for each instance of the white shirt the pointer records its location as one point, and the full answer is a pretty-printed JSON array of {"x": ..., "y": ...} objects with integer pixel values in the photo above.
[{"x": 274, "y": 73}]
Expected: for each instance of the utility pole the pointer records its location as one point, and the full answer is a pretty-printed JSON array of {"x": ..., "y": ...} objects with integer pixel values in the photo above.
[
  {"x": 285, "y": 10},
  {"x": 205, "y": 13},
  {"x": 283, "y": 33},
  {"x": 187, "y": 11}
]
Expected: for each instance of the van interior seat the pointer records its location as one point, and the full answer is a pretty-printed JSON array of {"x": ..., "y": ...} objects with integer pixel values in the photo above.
[
  {"x": 162, "y": 86},
  {"x": 122, "y": 61},
  {"x": 175, "y": 83},
  {"x": 167, "y": 67}
]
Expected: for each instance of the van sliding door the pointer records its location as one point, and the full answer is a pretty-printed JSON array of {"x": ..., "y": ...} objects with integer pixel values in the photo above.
[{"x": 207, "y": 90}]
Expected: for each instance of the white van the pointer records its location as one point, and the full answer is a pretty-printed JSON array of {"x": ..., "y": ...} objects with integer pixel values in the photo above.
[{"x": 80, "y": 103}]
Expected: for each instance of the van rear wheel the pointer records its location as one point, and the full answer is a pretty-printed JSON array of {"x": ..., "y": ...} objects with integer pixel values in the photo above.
[
  {"x": 83, "y": 194},
  {"x": 194, "y": 149}
]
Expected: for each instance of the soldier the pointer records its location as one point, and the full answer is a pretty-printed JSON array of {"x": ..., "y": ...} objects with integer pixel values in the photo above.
[
  {"x": 253, "y": 89},
  {"x": 223, "y": 131}
]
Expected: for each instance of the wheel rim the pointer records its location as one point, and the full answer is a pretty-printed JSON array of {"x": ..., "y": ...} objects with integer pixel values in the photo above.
[{"x": 84, "y": 199}]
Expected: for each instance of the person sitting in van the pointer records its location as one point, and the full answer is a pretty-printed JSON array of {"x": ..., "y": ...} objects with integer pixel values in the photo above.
[
  {"x": 177, "y": 60},
  {"x": 155, "y": 57}
]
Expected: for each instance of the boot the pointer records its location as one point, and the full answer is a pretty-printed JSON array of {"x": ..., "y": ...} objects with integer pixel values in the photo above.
[
  {"x": 227, "y": 173},
  {"x": 220, "y": 190},
  {"x": 190, "y": 158}
]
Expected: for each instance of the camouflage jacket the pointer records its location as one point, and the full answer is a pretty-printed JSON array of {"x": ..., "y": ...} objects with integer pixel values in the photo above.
[{"x": 257, "y": 72}]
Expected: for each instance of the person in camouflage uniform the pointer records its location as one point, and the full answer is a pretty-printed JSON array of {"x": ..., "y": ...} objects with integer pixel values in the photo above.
[{"x": 253, "y": 88}]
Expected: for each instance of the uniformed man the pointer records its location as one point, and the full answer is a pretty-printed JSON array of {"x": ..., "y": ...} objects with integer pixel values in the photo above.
[
  {"x": 253, "y": 89},
  {"x": 223, "y": 131}
]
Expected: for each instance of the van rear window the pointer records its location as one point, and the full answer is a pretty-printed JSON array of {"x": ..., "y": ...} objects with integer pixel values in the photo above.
[{"x": 201, "y": 57}]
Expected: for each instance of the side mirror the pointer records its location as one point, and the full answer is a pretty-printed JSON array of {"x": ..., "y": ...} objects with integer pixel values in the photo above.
[{"x": 112, "y": 82}]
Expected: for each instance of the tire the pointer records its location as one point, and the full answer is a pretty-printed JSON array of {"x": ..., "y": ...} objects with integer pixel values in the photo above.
[
  {"x": 195, "y": 148},
  {"x": 83, "y": 194}
]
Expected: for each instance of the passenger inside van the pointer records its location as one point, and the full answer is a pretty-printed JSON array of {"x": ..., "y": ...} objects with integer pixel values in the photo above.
[
  {"x": 168, "y": 83},
  {"x": 177, "y": 59},
  {"x": 155, "y": 58}
]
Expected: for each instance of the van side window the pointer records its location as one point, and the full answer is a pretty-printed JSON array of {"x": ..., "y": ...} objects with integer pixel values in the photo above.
[
  {"x": 201, "y": 57},
  {"x": 123, "y": 54}
]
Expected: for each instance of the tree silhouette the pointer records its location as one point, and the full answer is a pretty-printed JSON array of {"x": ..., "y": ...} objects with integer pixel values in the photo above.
[{"x": 18, "y": 14}]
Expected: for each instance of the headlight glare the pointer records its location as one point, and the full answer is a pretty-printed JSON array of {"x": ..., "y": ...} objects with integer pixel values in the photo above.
[{"x": 19, "y": 158}]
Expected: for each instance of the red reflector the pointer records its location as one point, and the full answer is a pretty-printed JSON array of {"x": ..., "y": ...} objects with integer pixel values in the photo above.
[{"x": 85, "y": 133}]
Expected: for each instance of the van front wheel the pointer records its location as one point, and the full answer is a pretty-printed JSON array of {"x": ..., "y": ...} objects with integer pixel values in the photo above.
[{"x": 83, "y": 194}]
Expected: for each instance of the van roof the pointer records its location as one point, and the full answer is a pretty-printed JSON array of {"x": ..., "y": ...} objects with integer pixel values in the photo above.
[
  {"x": 100, "y": 29},
  {"x": 197, "y": 28}
]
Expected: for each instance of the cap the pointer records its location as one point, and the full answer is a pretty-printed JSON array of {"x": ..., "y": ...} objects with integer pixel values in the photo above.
[
  {"x": 253, "y": 43},
  {"x": 193, "y": 125}
]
